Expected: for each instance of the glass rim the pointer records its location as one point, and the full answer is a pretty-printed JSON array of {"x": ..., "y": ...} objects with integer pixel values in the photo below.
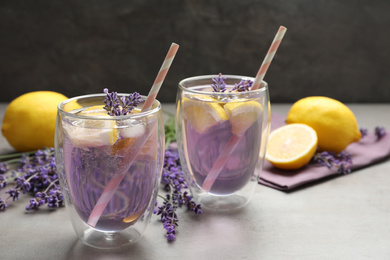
[
  {"x": 238, "y": 77},
  {"x": 122, "y": 117}
]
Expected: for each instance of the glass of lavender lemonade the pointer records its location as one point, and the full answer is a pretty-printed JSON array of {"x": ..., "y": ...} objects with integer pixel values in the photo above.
[
  {"x": 222, "y": 128},
  {"x": 109, "y": 166}
]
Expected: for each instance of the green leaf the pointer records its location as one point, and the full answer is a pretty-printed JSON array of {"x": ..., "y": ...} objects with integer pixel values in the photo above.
[{"x": 170, "y": 130}]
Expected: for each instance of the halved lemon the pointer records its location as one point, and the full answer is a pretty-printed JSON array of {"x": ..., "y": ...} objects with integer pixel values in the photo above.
[
  {"x": 203, "y": 112},
  {"x": 291, "y": 146},
  {"x": 242, "y": 114}
]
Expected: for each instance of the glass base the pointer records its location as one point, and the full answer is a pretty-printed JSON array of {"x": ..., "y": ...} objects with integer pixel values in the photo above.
[
  {"x": 109, "y": 240},
  {"x": 222, "y": 203}
]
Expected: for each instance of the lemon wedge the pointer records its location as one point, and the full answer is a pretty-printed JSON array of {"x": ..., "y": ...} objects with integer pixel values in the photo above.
[
  {"x": 72, "y": 106},
  {"x": 242, "y": 114},
  {"x": 203, "y": 112},
  {"x": 291, "y": 146},
  {"x": 95, "y": 110},
  {"x": 94, "y": 132}
]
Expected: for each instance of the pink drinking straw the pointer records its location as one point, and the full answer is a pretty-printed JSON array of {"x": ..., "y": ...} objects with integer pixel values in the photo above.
[
  {"x": 113, "y": 185},
  {"x": 233, "y": 141},
  {"x": 269, "y": 57}
]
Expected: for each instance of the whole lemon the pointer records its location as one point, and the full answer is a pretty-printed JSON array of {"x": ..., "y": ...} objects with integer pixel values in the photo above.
[
  {"x": 30, "y": 119},
  {"x": 334, "y": 122}
]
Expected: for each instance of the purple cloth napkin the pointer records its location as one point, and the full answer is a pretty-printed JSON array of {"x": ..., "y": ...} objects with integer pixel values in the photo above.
[{"x": 364, "y": 153}]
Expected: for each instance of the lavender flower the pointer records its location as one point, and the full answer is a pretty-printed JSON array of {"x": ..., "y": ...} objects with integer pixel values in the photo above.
[
  {"x": 3, "y": 204},
  {"x": 35, "y": 204},
  {"x": 173, "y": 182},
  {"x": 168, "y": 218},
  {"x": 341, "y": 161},
  {"x": 111, "y": 101},
  {"x": 37, "y": 175},
  {"x": 14, "y": 194},
  {"x": 128, "y": 104},
  {"x": 3, "y": 182},
  {"x": 244, "y": 85},
  {"x": 120, "y": 106},
  {"x": 3, "y": 167},
  {"x": 219, "y": 84},
  {"x": 364, "y": 132},
  {"x": 380, "y": 132}
]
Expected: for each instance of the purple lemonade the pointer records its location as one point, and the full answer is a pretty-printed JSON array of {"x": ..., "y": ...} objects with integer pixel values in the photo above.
[
  {"x": 93, "y": 151},
  {"x": 209, "y": 122}
]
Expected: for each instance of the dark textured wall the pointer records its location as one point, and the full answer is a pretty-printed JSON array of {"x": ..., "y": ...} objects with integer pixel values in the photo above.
[{"x": 339, "y": 49}]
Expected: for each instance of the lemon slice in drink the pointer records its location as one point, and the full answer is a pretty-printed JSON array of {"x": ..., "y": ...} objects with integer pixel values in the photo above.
[
  {"x": 203, "y": 112},
  {"x": 291, "y": 146},
  {"x": 242, "y": 114},
  {"x": 92, "y": 133},
  {"x": 94, "y": 110}
]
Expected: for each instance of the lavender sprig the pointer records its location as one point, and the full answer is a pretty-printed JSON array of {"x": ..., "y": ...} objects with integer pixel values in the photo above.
[
  {"x": 3, "y": 204},
  {"x": 36, "y": 173},
  {"x": 244, "y": 85},
  {"x": 219, "y": 84},
  {"x": 173, "y": 182},
  {"x": 364, "y": 132},
  {"x": 341, "y": 161},
  {"x": 380, "y": 132},
  {"x": 120, "y": 106},
  {"x": 3, "y": 168},
  {"x": 112, "y": 102}
]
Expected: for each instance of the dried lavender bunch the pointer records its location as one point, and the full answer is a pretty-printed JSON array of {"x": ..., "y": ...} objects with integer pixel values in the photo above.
[
  {"x": 120, "y": 106},
  {"x": 244, "y": 85},
  {"x": 35, "y": 174},
  {"x": 173, "y": 181},
  {"x": 341, "y": 161},
  {"x": 219, "y": 84}
]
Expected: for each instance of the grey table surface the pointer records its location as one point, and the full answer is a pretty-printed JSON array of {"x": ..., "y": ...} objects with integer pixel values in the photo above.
[{"x": 346, "y": 217}]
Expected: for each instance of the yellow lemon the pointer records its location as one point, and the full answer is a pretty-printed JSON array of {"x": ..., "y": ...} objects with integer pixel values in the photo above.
[
  {"x": 203, "y": 112},
  {"x": 334, "y": 122},
  {"x": 30, "y": 119},
  {"x": 291, "y": 146},
  {"x": 242, "y": 114}
]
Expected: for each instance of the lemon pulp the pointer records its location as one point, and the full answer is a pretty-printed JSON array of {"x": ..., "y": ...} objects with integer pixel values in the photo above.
[
  {"x": 291, "y": 146},
  {"x": 203, "y": 112},
  {"x": 242, "y": 114}
]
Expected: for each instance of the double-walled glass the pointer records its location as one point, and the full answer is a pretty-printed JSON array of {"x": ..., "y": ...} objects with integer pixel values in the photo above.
[
  {"x": 221, "y": 139},
  {"x": 109, "y": 169}
]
